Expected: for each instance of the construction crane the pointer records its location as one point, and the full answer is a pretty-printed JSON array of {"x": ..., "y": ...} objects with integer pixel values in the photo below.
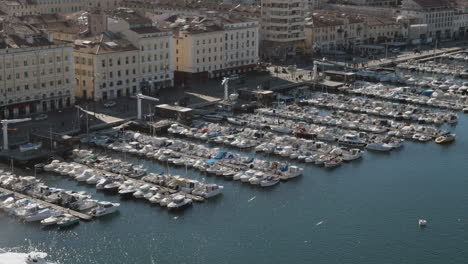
[
  {"x": 141, "y": 97},
  {"x": 5, "y": 129}
]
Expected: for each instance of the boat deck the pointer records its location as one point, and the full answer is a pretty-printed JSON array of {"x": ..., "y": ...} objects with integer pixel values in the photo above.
[{"x": 51, "y": 205}]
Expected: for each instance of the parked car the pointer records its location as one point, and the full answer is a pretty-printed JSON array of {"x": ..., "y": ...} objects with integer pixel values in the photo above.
[
  {"x": 110, "y": 104},
  {"x": 395, "y": 50},
  {"x": 40, "y": 117}
]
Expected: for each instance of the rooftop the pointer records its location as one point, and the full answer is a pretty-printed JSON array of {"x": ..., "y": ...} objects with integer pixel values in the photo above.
[{"x": 103, "y": 43}]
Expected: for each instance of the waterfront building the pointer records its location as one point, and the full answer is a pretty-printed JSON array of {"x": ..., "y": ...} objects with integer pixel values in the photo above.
[
  {"x": 155, "y": 48},
  {"x": 106, "y": 67},
  {"x": 213, "y": 46},
  {"x": 438, "y": 15},
  {"x": 36, "y": 72}
]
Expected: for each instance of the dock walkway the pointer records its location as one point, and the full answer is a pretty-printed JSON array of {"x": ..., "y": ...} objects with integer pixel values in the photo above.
[
  {"x": 51, "y": 205},
  {"x": 141, "y": 182}
]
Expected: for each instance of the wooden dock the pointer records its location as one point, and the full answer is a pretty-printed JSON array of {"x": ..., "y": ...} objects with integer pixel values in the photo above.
[
  {"x": 53, "y": 206},
  {"x": 141, "y": 182}
]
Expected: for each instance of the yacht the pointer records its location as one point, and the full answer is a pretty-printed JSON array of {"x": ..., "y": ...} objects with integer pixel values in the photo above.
[
  {"x": 351, "y": 141},
  {"x": 179, "y": 201}
]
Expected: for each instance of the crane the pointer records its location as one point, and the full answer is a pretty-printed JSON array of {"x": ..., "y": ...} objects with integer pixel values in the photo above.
[
  {"x": 5, "y": 129},
  {"x": 141, "y": 97}
]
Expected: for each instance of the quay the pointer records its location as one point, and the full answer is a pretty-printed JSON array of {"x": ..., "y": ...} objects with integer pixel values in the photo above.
[{"x": 51, "y": 205}]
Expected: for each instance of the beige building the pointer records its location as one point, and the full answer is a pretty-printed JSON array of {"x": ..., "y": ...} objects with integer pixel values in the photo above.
[
  {"x": 330, "y": 32},
  {"x": 337, "y": 32},
  {"x": 437, "y": 15},
  {"x": 106, "y": 67},
  {"x": 155, "y": 45},
  {"x": 213, "y": 46},
  {"x": 36, "y": 73},
  {"x": 37, "y": 7}
]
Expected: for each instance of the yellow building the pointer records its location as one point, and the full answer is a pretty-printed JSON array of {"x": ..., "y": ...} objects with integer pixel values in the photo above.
[
  {"x": 36, "y": 73},
  {"x": 213, "y": 46},
  {"x": 106, "y": 67}
]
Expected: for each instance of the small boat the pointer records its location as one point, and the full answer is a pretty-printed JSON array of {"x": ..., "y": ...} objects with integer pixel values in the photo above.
[
  {"x": 422, "y": 222},
  {"x": 39, "y": 216},
  {"x": 30, "y": 146},
  {"x": 446, "y": 138},
  {"x": 332, "y": 163},
  {"x": 269, "y": 181},
  {"x": 67, "y": 221},
  {"x": 104, "y": 208},
  {"x": 179, "y": 201},
  {"x": 378, "y": 146}
]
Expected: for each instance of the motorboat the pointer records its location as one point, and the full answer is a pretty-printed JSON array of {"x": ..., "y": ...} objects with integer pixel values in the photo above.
[
  {"x": 104, "y": 208},
  {"x": 258, "y": 177},
  {"x": 51, "y": 220},
  {"x": 446, "y": 138},
  {"x": 351, "y": 141},
  {"x": 422, "y": 222},
  {"x": 352, "y": 154},
  {"x": 67, "y": 221},
  {"x": 39, "y": 216},
  {"x": 332, "y": 163},
  {"x": 208, "y": 190},
  {"x": 379, "y": 146},
  {"x": 23, "y": 258},
  {"x": 269, "y": 181},
  {"x": 179, "y": 201}
]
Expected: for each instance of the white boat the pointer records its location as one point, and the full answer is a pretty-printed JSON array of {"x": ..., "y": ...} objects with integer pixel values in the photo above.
[
  {"x": 379, "y": 146},
  {"x": 352, "y": 154},
  {"x": 104, "y": 208},
  {"x": 51, "y": 220},
  {"x": 422, "y": 222},
  {"x": 40, "y": 215},
  {"x": 256, "y": 179},
  {"x": 351, "y": 140},
  {"x": 23, "y": 258},
  {"x": 179, "y": 201},
  {"x": 269, "y": 181},
  {"x": 208, "y": 190},
  {"x": 85, "y": 175}
]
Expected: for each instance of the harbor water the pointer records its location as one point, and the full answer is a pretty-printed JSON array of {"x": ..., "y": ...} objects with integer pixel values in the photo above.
[{"x": 361, "y": 212}]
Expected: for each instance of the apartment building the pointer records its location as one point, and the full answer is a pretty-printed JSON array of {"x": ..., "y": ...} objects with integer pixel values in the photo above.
[
  {"x": 213, "y": 46},
  {"x": 336, "y": 32},
  {"x": 36, "y": 72},
  {"x": 329, "y": 32},
  {"x": 106, "y": 67},
  {"x": 36, "y": 7},
  {"x": 438, "y": 15},
  {"x": 155, "y": 45},
  {"x": 282, "y": 26}
]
